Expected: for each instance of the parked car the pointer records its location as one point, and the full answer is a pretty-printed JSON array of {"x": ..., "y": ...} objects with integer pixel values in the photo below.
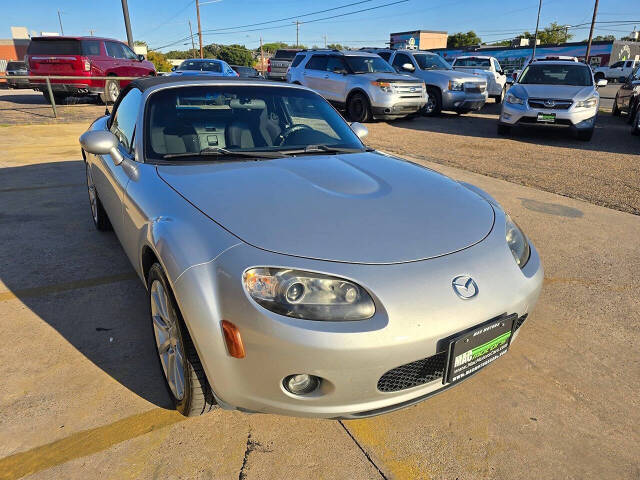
[
  {"x": 15, "y": 69},
  {"x": 246, "y": 72},
  {"x": 278, "y": 65},
  {"x": 447, "y": 89},
  {"x": 627, "y": 99},
  {"x": 362, "y": 83},
  {"x": 204, "y": 66},
  {"x": 617, "y": 72},
  {"x": 487, "y": 66},
  {"x": 553, "y": 93},
  {"x": 84, "y": 57},
  {"x": 289, "y": 268}
]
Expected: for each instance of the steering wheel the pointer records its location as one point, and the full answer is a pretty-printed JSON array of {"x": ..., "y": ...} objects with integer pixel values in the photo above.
[{"x": 291, "y": 130}]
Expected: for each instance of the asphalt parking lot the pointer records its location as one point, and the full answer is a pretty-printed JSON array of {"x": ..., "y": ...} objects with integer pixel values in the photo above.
[{"x": 83, "y": 396}]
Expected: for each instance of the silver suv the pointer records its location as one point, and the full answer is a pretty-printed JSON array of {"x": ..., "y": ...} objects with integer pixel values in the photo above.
[
  {"x": 360, "y": 82},
  {"x": 448, "y": 89},
  {"x": 553, "y": 93}
]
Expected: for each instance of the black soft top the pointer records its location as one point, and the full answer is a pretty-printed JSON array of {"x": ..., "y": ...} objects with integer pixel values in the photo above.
[{"x": 150, "y": 82}]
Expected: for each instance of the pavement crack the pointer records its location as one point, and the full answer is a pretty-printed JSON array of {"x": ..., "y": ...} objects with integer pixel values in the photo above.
[
  {"x": 382, "y": 475},
  {"x": 251, "y": 446}
]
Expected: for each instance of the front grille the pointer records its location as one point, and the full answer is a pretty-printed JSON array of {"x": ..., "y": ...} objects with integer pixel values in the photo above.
[
  {"x": 519, "y": 321},
  {"x": 554, "y": 105},
  {"x": 422, "y": 371},
  {"x": 475, "y": 87},
  {"x": 414, "y": 373},
  {"x": 405, "y": 90}
]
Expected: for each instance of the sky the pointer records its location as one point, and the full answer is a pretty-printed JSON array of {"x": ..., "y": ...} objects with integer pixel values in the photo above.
[{"x": 165, "y": 22}]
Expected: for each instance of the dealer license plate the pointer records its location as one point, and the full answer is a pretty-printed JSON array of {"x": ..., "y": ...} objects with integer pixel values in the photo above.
[
  {"x": 471, "y": 351},
  {"x": 547, "y": 117}
]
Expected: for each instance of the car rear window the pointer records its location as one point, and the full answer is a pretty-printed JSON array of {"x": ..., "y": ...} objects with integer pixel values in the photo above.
[
  {"x": 473, "y": 62},
  {"x": 297, "y": 60},
  {"x": 285, "y": 54},
  {"x": 52, "y": 46}
]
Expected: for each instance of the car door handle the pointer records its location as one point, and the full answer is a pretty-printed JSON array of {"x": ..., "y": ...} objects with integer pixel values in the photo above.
[{"x": 326, "y": 76}]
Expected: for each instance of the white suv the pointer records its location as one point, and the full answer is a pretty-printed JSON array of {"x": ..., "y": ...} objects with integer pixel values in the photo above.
[
  {"x": 490, "y": 68},
  {"x": 553, "y": 93},
  {"x": 362, "y": 83}
]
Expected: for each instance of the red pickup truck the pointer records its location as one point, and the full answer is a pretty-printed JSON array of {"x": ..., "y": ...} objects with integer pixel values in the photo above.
[{"x": 84, "y": 57}]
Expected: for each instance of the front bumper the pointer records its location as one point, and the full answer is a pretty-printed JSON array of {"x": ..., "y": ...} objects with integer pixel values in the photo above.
[
  {"x": 394, "y": 105},
  {"x": 576, "y": 118},
  {"x": 462, "y": 100},
  {"x": 412, "y": 320}
]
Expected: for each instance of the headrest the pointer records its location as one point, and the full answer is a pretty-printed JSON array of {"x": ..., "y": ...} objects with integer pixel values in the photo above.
[{"x": 254, "y": 104}]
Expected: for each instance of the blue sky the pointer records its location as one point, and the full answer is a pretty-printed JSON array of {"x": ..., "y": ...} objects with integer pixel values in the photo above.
[{"x": 161, "y": 22}]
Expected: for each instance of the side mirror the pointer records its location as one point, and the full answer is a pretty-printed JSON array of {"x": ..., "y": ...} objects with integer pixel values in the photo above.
[
  {"x": 501, "y": 72},
  {"x": 360, "y": 130},
  {"x": 510, "y": 80},
  {"x": 141, "y": 58},
  {"x": 601, "y": 83},
  {"x": 100, "y": 142},
  {"x": 173, "y": 69},
  {"x": 407, "y": 67}
]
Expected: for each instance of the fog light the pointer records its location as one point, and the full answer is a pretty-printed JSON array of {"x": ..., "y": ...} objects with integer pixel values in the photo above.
[{"x": 301, "y": 383}]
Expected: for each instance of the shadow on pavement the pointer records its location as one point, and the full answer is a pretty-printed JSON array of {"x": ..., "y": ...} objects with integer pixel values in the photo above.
[{"x": 74, "y": 278}]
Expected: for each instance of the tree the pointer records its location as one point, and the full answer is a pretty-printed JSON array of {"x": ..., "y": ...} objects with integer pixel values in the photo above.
[
  {"x": 232, "y": 54},
  {"x": 461, "y": 39},
  {"x": 553, "y": 34},
  {"x": 159, "y": 61},
  {"x": 602, "y": 38},
  {"x": 273, "y": 46},
  {"x": 337, "y": 46}
]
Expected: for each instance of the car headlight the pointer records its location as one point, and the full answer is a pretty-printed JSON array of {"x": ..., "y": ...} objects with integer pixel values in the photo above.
[
  {"x": 308, "y": 295},
  {"x": 511, "y": 98},
  {"x": 384, "y": 86},
  {"x": 456, "y": 85},
  {"x": 588, "y": 103},
  {"x": 517, "y": 242}
]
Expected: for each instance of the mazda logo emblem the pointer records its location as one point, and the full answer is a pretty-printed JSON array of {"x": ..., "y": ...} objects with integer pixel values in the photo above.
[
  {"x": 549, "y": 103},
  {"x": 465, "y": 287}
]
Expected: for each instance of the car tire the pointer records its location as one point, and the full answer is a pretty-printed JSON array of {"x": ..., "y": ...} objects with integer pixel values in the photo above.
[
  {"x": 631, "y": 113},
  {"x": 98, "y": 213},
  {"x": 504, "y": 129},
  {"x": 358, "y": 108},
  {"x": 184, "y": 375},
  {"x": 111, "y": 91},
  {"x": 434, "y": 104},
  {"x": 585, "y": 135},
  {"x": 615, "y": 111},
  {"x": 500, "y": 98},
  {"x": 635, "y": 128}
]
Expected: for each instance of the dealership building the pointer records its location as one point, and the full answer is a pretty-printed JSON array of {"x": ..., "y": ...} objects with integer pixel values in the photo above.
[
  {"x": 418, "y": 40},
  {"x": 602, "y": 52}
]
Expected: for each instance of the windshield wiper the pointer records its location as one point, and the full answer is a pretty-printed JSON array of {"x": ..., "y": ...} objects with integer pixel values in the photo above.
[
  {"x": 324, "y": 149},
  {"x": 223, "y": 152}
]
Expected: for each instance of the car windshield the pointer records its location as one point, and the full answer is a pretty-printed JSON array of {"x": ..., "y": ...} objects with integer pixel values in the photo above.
[
  {"x": 201, "y": 66},
  {"x": 185, "y": 123},
  {"x": 373, "y": 64},
  {"x": 431, "y": 62},
  {"x": 482, "y": 63},
  {"x": 558, "y": 74}
]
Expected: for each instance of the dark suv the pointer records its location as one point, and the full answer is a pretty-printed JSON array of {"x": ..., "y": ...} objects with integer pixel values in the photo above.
[{"x": 84, "y": 57}]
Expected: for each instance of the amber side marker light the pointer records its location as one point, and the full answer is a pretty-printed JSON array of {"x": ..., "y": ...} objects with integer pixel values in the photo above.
[{"x": 233, "y": 339}]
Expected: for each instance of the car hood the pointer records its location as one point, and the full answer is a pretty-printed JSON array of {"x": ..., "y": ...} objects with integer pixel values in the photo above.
[
  {"x": 388, "y": 77},
  {"x": 357, "y": 208},
  {"x": 559, "y": 92},
  {"x": 447, "y": 75}
]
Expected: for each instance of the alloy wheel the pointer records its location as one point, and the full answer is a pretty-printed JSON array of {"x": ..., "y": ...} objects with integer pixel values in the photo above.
[
  {"x": 114, "y": 90},
  {"x": 168, "y": 341},
  {"x": 428, "y": 108}
]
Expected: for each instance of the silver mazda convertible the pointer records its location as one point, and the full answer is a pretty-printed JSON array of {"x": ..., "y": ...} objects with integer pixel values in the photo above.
[{"x": 289, "y": 268}]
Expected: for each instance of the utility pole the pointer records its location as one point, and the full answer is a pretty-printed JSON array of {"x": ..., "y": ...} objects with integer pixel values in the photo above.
[
  {"x": 566, "y": 33},
  {"x": 199, "y": 28},
  {"x": 127, "y": 23},
  {"x": 60, "y": 20},
  {"x": 325, "y": 40},
  {"x": 593, "y": 22},
  {"x": 297, "y": 22},
  {"x": 193, "y": 45},
  {"x": 91, "y": 30},
  {"x": 261, "y": 56},
  {"x": 535, "y": 40}
]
